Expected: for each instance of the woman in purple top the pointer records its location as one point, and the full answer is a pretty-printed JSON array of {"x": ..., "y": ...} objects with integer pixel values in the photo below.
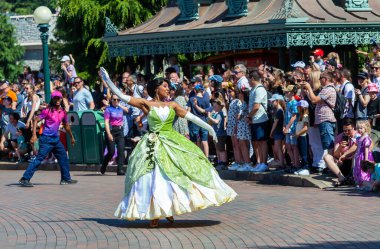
[
  {"x": 113, "y": 121},
  {"x": 49, "y": 141}
]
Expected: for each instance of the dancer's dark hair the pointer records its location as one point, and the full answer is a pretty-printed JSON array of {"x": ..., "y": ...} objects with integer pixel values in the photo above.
[{"x": 153, "y": 85}]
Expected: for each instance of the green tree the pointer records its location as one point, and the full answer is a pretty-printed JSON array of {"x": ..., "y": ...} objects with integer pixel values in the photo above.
[
  {"x": 80, "y": 28},
  {"x": 10, "y": 52},
  {"x": 22, "y": 7}
]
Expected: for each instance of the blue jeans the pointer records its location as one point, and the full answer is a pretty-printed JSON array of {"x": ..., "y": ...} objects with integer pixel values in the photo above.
[
  {"x": 327, "y": 130},
  {"x": 50, "y": 144},
  {"x": 303, "y": 148}
]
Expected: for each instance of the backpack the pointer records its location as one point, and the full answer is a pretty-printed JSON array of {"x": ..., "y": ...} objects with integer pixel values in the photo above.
[{"x": 340, "y": 104}]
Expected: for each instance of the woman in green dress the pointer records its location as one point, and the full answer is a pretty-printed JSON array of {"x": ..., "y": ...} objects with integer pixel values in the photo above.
[{"x": 167, "y": 174}]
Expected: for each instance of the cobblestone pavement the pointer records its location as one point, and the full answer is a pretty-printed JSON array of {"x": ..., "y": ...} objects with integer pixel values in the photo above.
[{"x": 263, "y": 216}]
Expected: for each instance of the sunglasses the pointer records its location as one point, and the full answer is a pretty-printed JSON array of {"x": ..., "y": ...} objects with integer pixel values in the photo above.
[
  {"x": 77, "y": 82},
  {"x": 115, "y": 99},
  {"x": 375, "y": 68}
]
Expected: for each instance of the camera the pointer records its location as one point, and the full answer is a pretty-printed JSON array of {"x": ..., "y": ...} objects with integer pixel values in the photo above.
[{"x": 346, "y": 138}]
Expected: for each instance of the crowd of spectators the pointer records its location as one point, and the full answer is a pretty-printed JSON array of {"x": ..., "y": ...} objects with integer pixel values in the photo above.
[{"x": 303, "y": 121}]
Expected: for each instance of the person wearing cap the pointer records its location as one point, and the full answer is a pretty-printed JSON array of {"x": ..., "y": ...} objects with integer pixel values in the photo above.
[
  {"x": 324, "y": 116},
  {"x": 199, "y": 105},
  {"x": 373, "y": 108},
  {"x": 299, "y": 66},
  {"x": 290, "y": 124},
  {"x": 363, "y": 96},
  {"x": 54, "y": 115},
  {"x": 317, "y": 60},
  {"x": 68, "y": 70},
  {"x": 82, "y": 97},
  {"x": 258, "y": 116},
  {"x": 6, "y": 92},
  {"x": 278, "y": 103},
  {"x": 302, "y": 128},
  {"x": 240, "y": 72},
  {"x": 331, "y": 65}
]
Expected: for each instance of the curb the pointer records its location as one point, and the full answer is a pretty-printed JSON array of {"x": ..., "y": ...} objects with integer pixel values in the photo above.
[{"x": 270, "y": 178}]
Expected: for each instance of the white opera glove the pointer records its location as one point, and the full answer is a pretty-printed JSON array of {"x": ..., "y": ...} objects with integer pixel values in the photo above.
[
  {"x": 191, "y": 117},
  {"x": 113, "y": 88}
]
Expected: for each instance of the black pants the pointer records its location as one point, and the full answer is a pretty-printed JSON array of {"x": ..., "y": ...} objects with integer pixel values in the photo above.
[{"x": 118, "y": 139}]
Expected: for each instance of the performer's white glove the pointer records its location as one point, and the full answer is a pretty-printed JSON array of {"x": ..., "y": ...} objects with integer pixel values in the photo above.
[
  {"x": 114, "y": 89},
  {"x": 191, "y": 117}
]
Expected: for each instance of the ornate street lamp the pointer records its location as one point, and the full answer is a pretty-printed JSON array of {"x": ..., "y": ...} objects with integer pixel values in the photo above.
[{"x": 42, "y": 16}]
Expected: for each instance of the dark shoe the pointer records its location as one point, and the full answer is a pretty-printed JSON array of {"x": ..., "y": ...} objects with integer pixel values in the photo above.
[
  {"x": 65, "y": 182},
  {"x": 221, "y": 166},
  {"x": 120, "y": 173},
  {"x": 103, "y": 169},
  {"x": 342, "y": 183},
  {"x": 153, "y": 223},
  {"x": 170, "y": 219},
  {"x": 316, "y": 170},
  {"x": 25, "y": 182}
]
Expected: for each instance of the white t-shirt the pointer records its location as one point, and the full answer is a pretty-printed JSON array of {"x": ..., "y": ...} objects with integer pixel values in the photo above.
[
  {"x": 301, "y": 124},
  {"x": 349, "y": 93},
  {"x": 258, "y": 95},
  {"x": 243, "y": 81}
]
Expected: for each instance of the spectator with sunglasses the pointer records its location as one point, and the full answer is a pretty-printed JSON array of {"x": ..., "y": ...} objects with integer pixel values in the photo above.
[
  {"x": 82, "y": 97},
  {"x": 113, "y": 121}
]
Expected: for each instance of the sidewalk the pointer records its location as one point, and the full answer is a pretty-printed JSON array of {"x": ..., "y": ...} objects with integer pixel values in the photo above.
[{"x": 271, "y": 177}]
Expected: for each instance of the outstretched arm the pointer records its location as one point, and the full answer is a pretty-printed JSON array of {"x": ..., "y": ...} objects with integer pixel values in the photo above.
[{"x": 136, "y": 102}]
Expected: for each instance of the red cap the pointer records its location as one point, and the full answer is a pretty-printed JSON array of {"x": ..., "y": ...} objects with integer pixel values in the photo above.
[{"x": 319, "y": 52}]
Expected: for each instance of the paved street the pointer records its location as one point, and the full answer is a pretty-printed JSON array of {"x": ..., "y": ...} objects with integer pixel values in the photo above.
[{"x": 263, "y": 216}]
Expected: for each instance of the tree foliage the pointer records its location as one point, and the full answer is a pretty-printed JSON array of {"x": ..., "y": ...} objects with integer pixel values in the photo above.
[
  {"x": 10, "y": 52},
  {"x": 81, "y": 25},
  {"x": 23, "y": 7}
]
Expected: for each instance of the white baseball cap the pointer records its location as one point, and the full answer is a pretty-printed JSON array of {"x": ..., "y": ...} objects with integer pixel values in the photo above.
[
  {"x": 300, "y": 64},
  {"x": 65, "y": 58}
]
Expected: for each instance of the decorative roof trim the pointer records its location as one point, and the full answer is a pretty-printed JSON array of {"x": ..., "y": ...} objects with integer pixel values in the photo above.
[
  {"x": 357, "y": 5},
  {"x": 189, "y": 10},
  {"x": 243, "y": 38},
  {"x": 110, "y": 28},
  {"x": 237, "y": 8}
]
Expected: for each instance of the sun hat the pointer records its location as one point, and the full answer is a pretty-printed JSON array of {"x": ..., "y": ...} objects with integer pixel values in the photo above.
[
  {"x": 56, "y": 94},
  {"x": 199, "y": 87},
  {"x": 303, "y": 103},
  {"x": 65, "y": 58},
  {"x": 276, "y": 97},
  {"x": 372, "y": 88}
]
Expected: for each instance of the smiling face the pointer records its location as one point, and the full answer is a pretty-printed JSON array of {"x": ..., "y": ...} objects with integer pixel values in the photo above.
[{"x": 163, "y": 91}]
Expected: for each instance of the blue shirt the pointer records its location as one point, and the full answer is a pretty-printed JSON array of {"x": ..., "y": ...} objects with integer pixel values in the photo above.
[
  {"x": 219, "y": 127},
  {"x": 291, "y": 109},
  {"x": 203, "y": 102}
]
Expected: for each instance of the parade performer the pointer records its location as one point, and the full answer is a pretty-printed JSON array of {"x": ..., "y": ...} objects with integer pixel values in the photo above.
[
  {"x": 167, "y": 174},
  {"x": 53, "y": 115}
]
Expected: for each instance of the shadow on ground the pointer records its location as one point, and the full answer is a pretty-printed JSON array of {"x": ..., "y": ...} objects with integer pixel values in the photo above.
[
  {"x": 352, "y": 191},
  {"x": 145, "y": 223},
  {"x": 332, "y": 245}
]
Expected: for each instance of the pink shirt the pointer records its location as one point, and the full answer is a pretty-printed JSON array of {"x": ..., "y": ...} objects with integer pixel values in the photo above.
[{"x": 53, "y": 119}]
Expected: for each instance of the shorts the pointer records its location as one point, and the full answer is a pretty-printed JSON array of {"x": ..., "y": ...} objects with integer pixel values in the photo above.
[
  {"x": 278, "y": 136},
  {"x": 196, "y": 131},
  {"x": 327, "y": 130},
  {"x": 259, "y": 131},
  {"x": 221, "y": 144},
  {"x": 291, "y": 139}
]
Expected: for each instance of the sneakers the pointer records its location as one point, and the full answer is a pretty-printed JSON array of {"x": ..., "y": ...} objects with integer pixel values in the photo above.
[
  {"x": 245, "y": 167},
  {"x": 120, "y": 173},
  {"x": 25, "y": 182},
  {"x": 302, "y": 172},
  {"x": 66, "y": 182},
  {"x": 32, "y": 159},
  {"x": 234, "y": 166},
  {"x": 103, "y": 169},
  {"x": 261, "y": 167},
  {"x": 270, "y": 160}
]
